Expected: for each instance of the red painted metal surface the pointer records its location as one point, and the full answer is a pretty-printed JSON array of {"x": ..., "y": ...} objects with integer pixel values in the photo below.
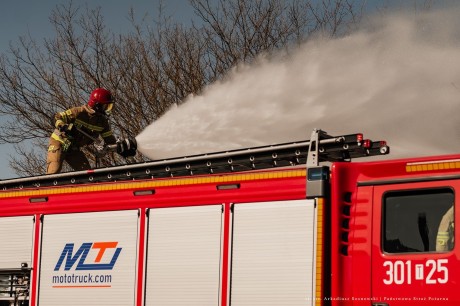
[
  {"x": 358, "y": 264},
  {"x": 351, "y": 220},
  {"x": 75, "y": 200}
]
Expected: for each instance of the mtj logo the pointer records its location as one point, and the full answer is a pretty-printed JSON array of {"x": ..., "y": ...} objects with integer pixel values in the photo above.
[{"x": 80, "y": 255}]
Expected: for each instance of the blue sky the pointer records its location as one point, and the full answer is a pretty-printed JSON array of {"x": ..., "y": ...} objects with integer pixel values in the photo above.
[
  {"x": 28, "y": 16},
  {"x": 24, "y": 17}
]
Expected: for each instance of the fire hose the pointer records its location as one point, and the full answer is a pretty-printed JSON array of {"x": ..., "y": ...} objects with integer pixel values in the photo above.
[{"x": 124, "y": 147}]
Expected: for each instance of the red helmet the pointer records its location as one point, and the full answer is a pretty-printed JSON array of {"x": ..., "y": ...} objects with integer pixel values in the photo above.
[{"x": 101, "y": 100}]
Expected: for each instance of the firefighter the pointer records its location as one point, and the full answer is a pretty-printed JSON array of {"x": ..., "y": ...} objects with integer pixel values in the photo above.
[
  {"x": 445, "y": 236},
  {"x": 78, "y": 127}
]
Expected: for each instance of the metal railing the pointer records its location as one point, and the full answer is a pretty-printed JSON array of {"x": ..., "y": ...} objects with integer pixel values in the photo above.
[
  {"x": 14, "y": 286},
  {"x": 327, "y": 148}
]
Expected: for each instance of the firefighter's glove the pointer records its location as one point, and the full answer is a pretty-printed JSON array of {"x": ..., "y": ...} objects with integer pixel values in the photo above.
[
  {"x": 63, "y": 128},
  {"x": 66, "y": 145}
]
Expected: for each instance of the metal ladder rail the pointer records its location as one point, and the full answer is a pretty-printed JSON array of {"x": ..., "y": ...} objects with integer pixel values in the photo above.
[{"x": 328, "y": 148}]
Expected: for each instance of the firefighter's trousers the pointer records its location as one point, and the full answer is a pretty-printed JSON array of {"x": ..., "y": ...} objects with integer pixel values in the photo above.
[{"x": 73, "y": 156}]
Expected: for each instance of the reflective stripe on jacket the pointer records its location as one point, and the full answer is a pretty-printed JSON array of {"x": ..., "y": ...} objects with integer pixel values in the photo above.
[{"x": 87, "y": 120}]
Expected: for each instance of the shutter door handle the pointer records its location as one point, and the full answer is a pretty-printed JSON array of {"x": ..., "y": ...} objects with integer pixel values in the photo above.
[{"x": 379, "y": 304}]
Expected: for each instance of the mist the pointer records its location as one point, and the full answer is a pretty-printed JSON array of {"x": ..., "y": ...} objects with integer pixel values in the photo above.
[{"x": 396, "y": 79}]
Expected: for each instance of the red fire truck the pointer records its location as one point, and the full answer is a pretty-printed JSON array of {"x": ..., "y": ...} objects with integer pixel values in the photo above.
[{"x": 288, "y": 224}]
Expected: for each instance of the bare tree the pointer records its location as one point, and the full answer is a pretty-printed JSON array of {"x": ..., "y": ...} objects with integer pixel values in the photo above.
[
  {"x": 239, "y": 31},
  {"x": 147, "y": 70}
]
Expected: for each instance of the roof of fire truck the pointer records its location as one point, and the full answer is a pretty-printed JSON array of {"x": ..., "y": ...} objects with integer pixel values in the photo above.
[
  {"x": 321, "y": 147},
  {"x": 272, "y": 161}
]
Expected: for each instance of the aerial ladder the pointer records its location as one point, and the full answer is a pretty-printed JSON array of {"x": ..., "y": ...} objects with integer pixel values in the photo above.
[{"x": 321, "y": 147}]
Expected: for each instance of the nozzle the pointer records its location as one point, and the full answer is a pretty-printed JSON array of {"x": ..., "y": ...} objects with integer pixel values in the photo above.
[{"x": 127, "y": 147}]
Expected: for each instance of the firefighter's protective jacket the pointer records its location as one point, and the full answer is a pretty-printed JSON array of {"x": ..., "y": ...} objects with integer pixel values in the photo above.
[
  {"x": 445, "y": 236},
  {"x": 85, "y": 119}
]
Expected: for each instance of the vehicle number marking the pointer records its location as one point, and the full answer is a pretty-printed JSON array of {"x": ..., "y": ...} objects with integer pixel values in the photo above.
[
  {"x": 399, "y": 272},
  {"x": 419, "y": 272}
]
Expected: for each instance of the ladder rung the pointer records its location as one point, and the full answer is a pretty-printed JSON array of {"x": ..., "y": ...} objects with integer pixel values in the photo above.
[{"x": 329, "y": 148}]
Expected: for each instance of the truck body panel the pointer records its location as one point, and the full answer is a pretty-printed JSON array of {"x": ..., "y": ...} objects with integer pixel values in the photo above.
[
  {"x": 273, "y": 253},
  {"x": 183, "y": 264},
  {"x": 90, "y": 257}
]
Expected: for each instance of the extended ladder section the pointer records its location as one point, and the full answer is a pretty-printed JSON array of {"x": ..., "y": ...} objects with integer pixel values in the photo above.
[{"x": 320, "y": 148}]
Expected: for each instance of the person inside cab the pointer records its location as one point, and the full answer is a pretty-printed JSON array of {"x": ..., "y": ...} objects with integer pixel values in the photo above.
[{"x": 445, "y": 236}]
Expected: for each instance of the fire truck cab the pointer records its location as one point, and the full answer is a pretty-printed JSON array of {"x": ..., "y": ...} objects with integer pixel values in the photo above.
[{"x": 400, "y": 232}]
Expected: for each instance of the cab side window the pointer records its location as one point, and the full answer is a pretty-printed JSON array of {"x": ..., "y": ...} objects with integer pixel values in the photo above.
[{"x": 418, "y": 221}]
